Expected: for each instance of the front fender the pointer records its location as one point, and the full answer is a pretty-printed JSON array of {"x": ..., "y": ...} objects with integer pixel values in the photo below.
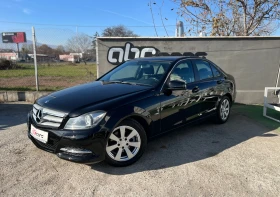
[{"x": 116, "y": 116}]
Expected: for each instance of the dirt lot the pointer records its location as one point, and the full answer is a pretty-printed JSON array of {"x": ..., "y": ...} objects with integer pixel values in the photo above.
[{"x": 239, "y": 158}]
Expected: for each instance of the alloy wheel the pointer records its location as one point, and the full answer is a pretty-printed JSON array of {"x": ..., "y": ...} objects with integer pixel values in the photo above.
[
  {"x": 123, "y": 143},
  {"x": 224, "y": 109}
]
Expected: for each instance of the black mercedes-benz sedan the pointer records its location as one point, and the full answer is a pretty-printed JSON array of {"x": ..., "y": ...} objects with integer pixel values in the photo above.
[{"x": 113, "y": 117}]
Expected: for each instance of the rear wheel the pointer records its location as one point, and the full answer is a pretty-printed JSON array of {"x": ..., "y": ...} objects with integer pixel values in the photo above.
[
  {"x": 223, "y": 110},
  {"x": 126, "y": 144}
]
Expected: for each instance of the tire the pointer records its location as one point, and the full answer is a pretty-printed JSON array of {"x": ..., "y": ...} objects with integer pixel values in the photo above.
[
  {"x": 125, "y": 144},
  {"x": 223, "y": 110}
]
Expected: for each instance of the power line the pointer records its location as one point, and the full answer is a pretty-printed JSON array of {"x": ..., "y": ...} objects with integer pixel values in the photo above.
[
  {"x": 153, "y": 17},
  {"x": 72, "y": 25}
]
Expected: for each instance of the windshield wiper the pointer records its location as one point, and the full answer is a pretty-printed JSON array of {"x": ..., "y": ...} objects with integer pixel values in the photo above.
[
  {"x": 108, "y": 82},
  {"x": 126, "y": 82},
  {"x": 130, "y": 83},
  {"x": 135, "y": 83},
  {"x": 123, "y": 82}
]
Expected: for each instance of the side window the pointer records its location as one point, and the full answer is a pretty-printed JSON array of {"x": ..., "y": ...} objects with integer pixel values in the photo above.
[
  {"x": 216, "y": 72},
  {"x": 183, "y": 72},
  {"x": 204, "y": 69}
]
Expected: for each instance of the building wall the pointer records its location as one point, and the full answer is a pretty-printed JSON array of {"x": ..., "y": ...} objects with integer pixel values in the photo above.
[
  {"x": 253, "y": 61},
  {"x": 69, "y": 58},
  {"x": 8, "y": 56}
]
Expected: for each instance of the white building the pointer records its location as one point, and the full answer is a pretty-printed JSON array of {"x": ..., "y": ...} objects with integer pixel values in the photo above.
[
  {"x": 9, "y": 55},
  {"x": 80, "y": 55}
]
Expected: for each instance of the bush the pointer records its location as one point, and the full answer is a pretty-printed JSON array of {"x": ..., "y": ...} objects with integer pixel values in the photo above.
[{"x": 6, "y": 64}]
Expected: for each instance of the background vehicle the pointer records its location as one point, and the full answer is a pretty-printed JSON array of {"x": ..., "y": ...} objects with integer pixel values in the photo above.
[{"x": 113, "y": 118}]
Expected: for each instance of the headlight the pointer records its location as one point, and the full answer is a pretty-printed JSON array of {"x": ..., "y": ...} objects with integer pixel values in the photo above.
[{"x": 85, "y": 121}]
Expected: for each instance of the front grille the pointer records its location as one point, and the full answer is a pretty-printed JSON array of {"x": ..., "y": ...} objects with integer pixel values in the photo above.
[{"x": 47, "y": 117}]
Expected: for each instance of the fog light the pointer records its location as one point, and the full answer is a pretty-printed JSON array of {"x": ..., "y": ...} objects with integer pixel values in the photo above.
[{"x": 76, "y": 150}]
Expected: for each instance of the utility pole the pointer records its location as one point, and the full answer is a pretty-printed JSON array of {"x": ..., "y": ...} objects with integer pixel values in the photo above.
[
  {"x": 18, "y": 51},
  {"x": 35, "y": 58}
]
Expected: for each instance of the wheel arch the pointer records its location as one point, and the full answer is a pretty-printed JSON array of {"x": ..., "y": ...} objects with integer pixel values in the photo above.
[
  {"x": 230, "y": 97},
  {"x": 142, "y": 121},
  {"x": 145, "y": 122}
]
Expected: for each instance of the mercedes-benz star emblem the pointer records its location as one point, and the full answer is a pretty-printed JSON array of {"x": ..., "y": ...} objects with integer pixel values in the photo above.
[{"x": 38, "y": 115}]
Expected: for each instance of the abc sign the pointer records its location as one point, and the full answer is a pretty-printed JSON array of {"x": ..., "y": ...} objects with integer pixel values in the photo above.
[{"x": 117, "y": 55}]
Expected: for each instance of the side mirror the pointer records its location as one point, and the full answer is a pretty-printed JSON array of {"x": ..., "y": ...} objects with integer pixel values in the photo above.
[{"x": 177, "y": 85}]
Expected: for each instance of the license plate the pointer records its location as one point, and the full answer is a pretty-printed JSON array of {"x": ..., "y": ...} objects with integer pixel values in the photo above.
[{"x": 38, "y": 134}]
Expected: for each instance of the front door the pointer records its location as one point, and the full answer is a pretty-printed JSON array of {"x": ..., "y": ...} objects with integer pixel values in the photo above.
[{"x": 181, "y": 105}]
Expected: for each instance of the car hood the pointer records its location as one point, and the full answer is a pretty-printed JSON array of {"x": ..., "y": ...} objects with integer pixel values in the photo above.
[{"x": 78, "y": 97}]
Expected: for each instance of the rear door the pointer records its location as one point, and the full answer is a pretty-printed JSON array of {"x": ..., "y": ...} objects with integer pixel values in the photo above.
[
  {"x": 206, "y": 84},
  {"x": 219, "y": 79}
]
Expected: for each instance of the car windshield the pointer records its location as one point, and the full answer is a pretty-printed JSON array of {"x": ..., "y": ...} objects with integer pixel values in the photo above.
[{"x": 138, "y": 72}]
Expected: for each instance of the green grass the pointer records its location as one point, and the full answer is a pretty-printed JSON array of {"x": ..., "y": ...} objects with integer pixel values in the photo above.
[
  {"x": 255, "y": 112},
  {"x": 53, "y": 77},
  {"x": 25, "y": 88},
  {"x": 54, "y": 70}
]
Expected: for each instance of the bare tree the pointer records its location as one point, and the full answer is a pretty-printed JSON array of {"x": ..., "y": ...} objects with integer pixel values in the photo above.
[
  {"x": 118, "y": 31},
  {"x": 230, "y": 17},
  {"x": 45, "y": 49},
  {"x": 95, "y": 36},
  {"x": 79, "y": 43},
  {"x": 27, "y": 48},
  {"x": 60, "y": 50}
]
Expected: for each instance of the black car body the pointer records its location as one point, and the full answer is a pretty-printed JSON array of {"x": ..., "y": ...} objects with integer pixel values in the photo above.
[{"x": 156, "y": 109}]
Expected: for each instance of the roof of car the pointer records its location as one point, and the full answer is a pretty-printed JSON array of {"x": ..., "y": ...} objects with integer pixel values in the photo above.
[{"x": 168, "y": 58}]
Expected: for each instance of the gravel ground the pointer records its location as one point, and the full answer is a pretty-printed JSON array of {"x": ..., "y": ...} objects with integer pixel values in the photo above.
[{"x": 239, "y": 158}]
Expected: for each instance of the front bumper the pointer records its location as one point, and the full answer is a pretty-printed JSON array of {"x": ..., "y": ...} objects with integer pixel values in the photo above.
[{"x": 91, "y": 143}]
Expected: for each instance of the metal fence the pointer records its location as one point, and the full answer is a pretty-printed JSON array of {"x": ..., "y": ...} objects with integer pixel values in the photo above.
[{"x": 64, "y": 58}]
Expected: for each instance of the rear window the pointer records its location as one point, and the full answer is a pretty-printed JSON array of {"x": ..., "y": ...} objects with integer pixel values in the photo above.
[
  {"x": 204, "y": 69},
  {"x": 216, "y": 72}
]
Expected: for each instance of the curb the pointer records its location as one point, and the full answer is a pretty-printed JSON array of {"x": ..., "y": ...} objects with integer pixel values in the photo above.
[{"x": 14, "y": 96}]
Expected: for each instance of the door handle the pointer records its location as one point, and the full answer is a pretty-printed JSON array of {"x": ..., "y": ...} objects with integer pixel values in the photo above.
[{"x": 195, "y": 89}]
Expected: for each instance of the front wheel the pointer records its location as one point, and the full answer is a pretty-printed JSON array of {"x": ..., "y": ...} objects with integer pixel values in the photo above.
[
  {"x": 223, "y": 110},
  {"x": 126, "y": 144}
]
